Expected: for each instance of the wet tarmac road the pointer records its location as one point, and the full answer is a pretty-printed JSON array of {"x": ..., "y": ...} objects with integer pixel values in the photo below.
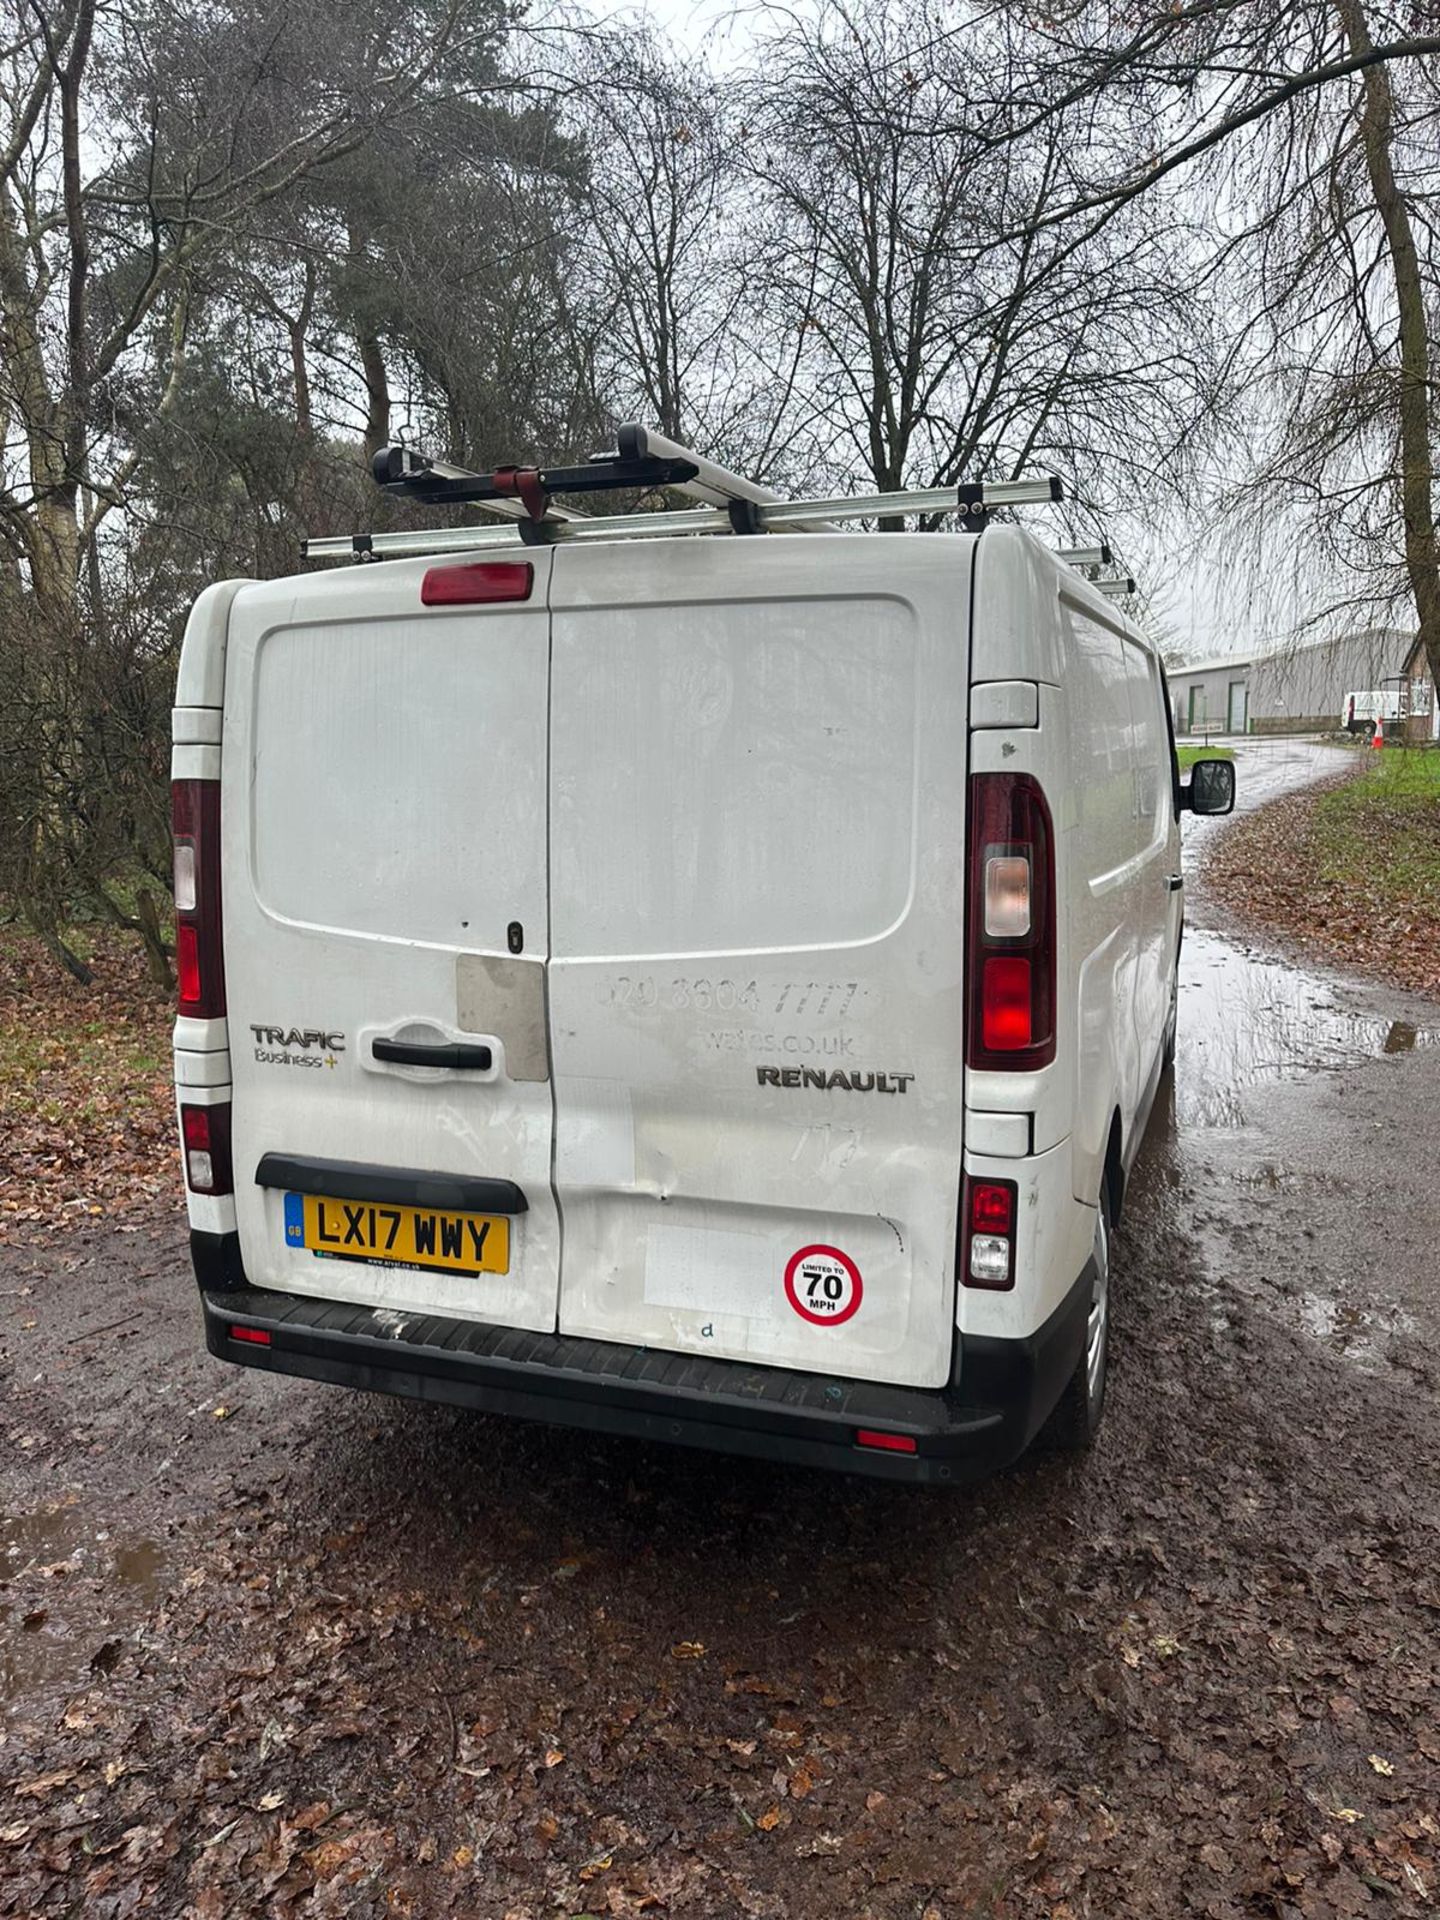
[{"x": 268, "y": 1648}]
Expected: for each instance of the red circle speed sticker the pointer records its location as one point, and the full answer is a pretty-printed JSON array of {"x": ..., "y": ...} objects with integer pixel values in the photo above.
[{"x": 824, "y": 1286}]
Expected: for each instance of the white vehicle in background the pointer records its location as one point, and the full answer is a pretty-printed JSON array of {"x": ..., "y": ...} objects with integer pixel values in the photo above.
[
  {"x": 1363, "y": 710},
  {"x": 707, "y": 989}
]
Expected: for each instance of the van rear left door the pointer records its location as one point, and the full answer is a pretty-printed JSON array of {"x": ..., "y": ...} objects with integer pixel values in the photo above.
[{"x": 384, "y": 861}]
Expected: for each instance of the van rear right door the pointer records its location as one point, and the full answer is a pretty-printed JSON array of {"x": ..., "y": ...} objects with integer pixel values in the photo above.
[{"x": 757, "y": 856}]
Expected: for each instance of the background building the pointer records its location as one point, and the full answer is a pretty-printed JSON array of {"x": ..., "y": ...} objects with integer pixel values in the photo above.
[{"x": 1302, "y": 689}]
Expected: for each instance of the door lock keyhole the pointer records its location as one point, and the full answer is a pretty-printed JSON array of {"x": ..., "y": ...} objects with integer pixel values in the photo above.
[{"x": 515, "y": 937}]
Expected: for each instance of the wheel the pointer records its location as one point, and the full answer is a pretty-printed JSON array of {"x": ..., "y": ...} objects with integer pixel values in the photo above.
[{"x": 1078, "y": 1412}]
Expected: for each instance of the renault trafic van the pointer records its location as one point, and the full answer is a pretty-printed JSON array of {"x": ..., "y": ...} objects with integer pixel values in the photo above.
[{"x": 702, "y": 989}]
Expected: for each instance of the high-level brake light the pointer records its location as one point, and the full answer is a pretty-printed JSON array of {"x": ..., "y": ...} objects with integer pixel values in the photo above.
[
  {"x": 1012, "y": 923},
  {"x": 479, "y": 585}
]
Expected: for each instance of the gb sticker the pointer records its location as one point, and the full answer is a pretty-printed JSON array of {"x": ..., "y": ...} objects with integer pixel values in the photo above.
[{"x": 823, "y": 1285}]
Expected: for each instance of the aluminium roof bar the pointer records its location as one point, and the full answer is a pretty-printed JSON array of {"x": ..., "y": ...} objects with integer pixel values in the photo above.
[
  {"x": 715, "y": 486},
  {"x": 1100, "y": 556},
  {"x": 783, "y": 516},
  {"x": 1115, "y": 589}
]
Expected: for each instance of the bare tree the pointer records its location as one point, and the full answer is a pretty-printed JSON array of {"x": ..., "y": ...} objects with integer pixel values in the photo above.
[{"x": 950, "y": 334}]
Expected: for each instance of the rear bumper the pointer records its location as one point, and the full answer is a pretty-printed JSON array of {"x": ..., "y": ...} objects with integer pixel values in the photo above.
[{"x": 1004, "y": 1388}]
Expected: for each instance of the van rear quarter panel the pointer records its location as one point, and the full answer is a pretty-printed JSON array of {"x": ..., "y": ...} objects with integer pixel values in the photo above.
[{"x": 1035, "y": 618}]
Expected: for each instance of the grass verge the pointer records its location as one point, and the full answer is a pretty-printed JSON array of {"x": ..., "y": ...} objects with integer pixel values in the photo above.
[
  {"x": 1187, "y": 756},
  {"x": 1349, "y": 870}
]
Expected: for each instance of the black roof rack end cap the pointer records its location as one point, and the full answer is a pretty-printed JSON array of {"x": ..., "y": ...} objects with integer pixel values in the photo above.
[
  {"x": 632, "y": 442},
  {"x": 1057, "y": 487}
]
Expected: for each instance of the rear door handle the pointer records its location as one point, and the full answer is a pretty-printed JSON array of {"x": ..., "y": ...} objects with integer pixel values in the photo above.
[
  {"x": 1174, "y": 882},
  {"x": 431, "y": 1053}
]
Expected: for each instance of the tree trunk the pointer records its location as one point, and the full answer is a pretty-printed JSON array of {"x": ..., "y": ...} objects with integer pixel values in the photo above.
[
  {"x": 1417, "y": 454},
  {"x": 372, "y": 363}
]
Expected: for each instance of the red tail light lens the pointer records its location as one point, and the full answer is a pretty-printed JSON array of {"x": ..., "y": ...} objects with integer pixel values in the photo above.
[
  {"x": 885, "y": 1442},
  {"x": 1006, "y": 1024},
  {"x": 992, "y": 1206},
  {"x": 199, "y": 961},
  {"x": 477, "y": 586},
  {"x": 250, "y": 1336},
  {"x": 1011, "y": 923},
  {"x": 205, "y": 1140}
]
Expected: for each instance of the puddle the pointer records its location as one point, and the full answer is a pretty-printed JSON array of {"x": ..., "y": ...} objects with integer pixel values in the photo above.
[
  {"x": 1247, "y": 1022},
  {"x": 1362, "y": 1334},
  {"x": 67, "y": 1593}
]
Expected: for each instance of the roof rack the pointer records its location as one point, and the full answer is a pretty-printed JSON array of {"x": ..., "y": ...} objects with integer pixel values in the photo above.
[{"x": 642, "y": 458}]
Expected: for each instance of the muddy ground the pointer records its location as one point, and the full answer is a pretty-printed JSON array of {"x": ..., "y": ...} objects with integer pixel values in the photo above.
[{"x": 272, "y": 1648}]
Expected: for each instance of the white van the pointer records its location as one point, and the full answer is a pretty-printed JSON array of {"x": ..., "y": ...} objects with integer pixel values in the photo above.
[
  {"x": 1367, "y": 706},
  {"x": 704, "y": 989}
]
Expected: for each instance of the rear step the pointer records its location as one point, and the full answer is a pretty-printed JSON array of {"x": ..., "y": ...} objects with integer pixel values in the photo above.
[{"x": 896, "y": 1433}]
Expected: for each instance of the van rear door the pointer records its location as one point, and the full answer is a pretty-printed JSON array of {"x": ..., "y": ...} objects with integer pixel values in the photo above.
[
  {"x": 757, "y": 853},
  {"x": 383, "y": 825}
]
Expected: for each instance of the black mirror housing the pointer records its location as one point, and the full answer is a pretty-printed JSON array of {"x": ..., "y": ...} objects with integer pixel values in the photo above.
[{"x": 1212, "y": 787}]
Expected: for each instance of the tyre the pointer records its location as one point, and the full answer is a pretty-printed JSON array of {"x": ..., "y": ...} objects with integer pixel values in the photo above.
[
  {"x": 1172, "y": 1025},
  {"x": 1080, "y": 1408}
]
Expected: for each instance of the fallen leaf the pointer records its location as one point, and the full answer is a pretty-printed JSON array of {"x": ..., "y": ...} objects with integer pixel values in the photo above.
[
  {"x": 688, "y": 1650},
  {"x": 769, "y": 1820},
  {"x": 42, "y": 1784},
  {"x": 1381, "y": 1766},
  {"x": 554, "y": 1756}
]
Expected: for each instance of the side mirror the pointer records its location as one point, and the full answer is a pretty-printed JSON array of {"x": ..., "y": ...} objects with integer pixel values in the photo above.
[{"x": 1211, "y": 788}]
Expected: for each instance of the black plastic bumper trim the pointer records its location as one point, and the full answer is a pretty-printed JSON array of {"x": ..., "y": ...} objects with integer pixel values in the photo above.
[
  {"x": 353, "y": 1180},
  {"x": 961, "y": 1432}
]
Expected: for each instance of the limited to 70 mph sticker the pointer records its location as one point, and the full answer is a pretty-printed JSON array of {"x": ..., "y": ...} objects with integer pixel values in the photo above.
[{"x": 823, "y": 1285}]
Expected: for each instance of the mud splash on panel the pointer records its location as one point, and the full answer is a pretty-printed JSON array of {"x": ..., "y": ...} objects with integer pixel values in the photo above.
[
  {"x": 1247, "y": 1022},
  {"x": 68, "y": 1595}
]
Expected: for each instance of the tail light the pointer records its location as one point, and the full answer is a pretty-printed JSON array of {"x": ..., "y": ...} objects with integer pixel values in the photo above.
[
  {"x": 1012, "y": 923},
  {"x": 205, "y": 1140},
  {"x": 199, "y": 964},
  {"x": 988, "y": 1251}
]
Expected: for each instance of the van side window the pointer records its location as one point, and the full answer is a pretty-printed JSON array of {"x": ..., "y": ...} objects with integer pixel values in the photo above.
[{"x": 1170, "y": 734}]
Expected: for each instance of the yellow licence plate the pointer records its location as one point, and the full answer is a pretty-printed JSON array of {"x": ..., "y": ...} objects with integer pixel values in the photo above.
[{"x": 463, "y": 1243}]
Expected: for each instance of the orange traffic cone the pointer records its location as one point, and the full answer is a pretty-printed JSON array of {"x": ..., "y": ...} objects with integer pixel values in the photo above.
[{"x": 1377, "y": 739}]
